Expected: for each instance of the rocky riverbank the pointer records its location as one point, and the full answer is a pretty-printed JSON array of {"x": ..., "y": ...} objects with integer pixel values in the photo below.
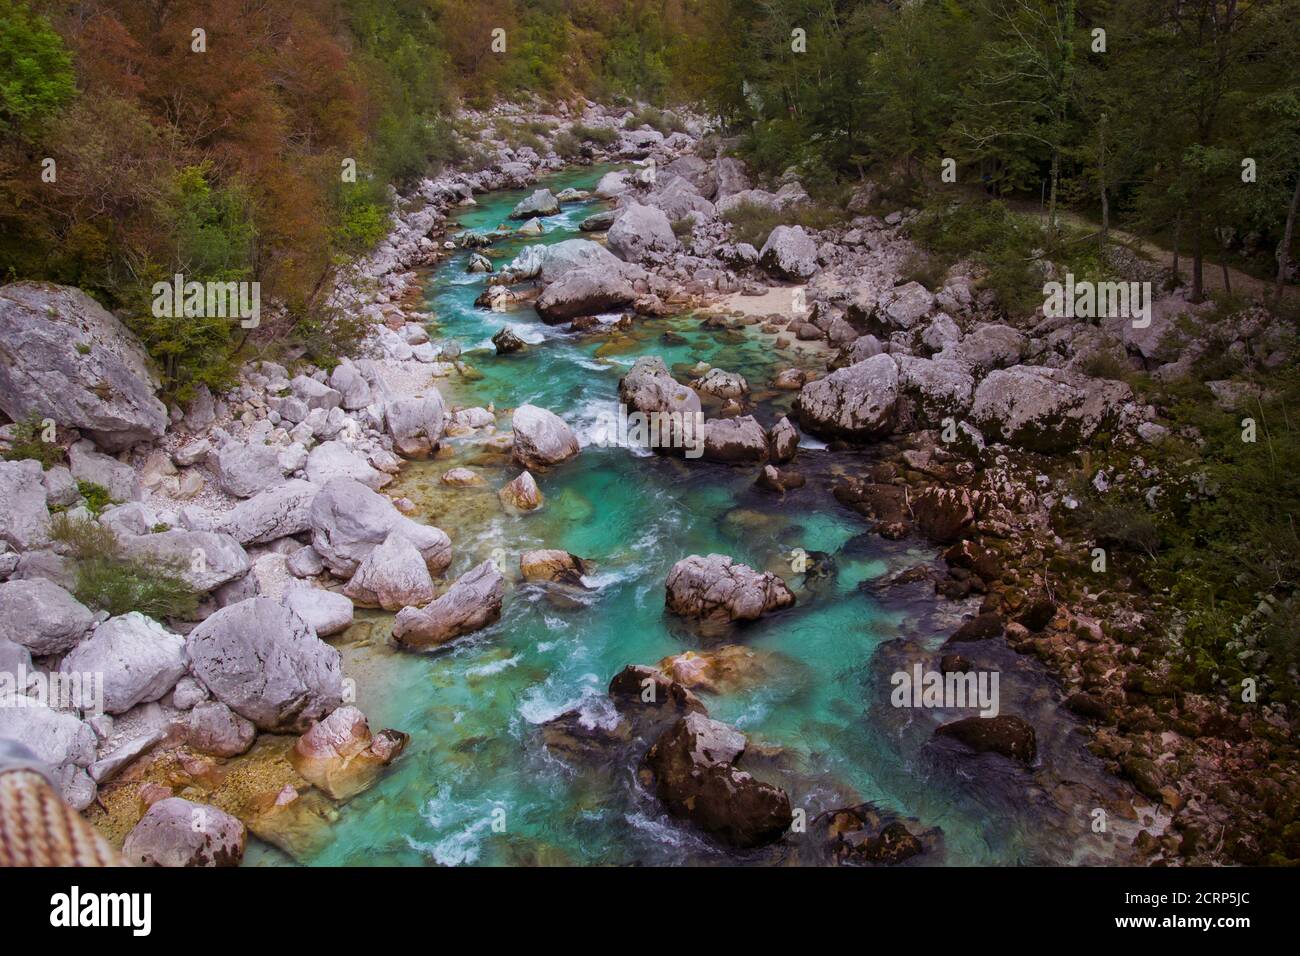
[{"x": 268, "y": 502}]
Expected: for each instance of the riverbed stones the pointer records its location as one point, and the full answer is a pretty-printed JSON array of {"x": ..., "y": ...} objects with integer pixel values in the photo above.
[
  {"x": 721, "y": 384},
  {"x": 243, "y": 470},
  {"x": 541, "y": 438},
  {"x": 472, "y": 603},
  {"x": 266, "y": 664},
  {"x": 739, "y": 440},
  {"x": 64, "y": 356},
  {"x": 348, "y": 520},
  {"x": 119, "y": 479},
  {"x": 552, "y": 565},
  {"x": 417, "y": 424},
  {"x": 856, "y": 403},
  {"x": 341, "y": 756},
  {"x": 392, "y": 576},
  {"x": 60, "y": 741},
  {"x": 138, "y": 660},
  {"x": 332, "y": 460},
  {"x": 716, "y": 588},
  {"x": 204, "y": 560},
  {"x": 783, "y": 441},
  {"x": 176, "y": 832},
  {"x": 42, "y": 617},
  {"x": 691, "y": 769}
]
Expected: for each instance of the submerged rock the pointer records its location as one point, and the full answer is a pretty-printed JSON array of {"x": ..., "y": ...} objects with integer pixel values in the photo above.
[
  {"x": 553, "y": 565},
  {"x": 522, "y": 494},
  {"x": 471, "y": 604},
  {"x": 1004, "y": 734},
  {"x": 341, "y": 757},
  {"x": 692, "y": 770}
]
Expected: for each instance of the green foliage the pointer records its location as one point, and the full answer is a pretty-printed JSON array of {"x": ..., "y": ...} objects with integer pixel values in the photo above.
[
  {"x": 97, "y": 496},
  {"x": 600, "y": 135},
  {"x": 28, "y": 443},
  {"x": 657, "y": 119},
  {"x": 753, "y": 222},
  {"x": 106, "y": 580},
  {"x": 362, "y": 215},
  {"x": 1008, "y": 247},
  {"x": 36, "y": 76}
]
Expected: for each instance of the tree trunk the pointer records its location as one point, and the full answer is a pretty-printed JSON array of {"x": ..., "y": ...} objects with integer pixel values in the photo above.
[
  {"x": 1198, "y": 259},
  {"x": 1178, "y": 241},
  {"x": 1051, "y": 202},
  {"x": 1105, "y": 199},
  {"x": 1285, "y": 251},
  {"x": 1223, "y": 251}
]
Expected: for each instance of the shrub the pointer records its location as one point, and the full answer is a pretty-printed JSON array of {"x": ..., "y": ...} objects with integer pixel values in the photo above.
[
  {"x": 600, "y": 135},
  {"x": 753, "y": 222},
  {"x": 660, "y": 120},
  {"x": 566, "y": 145},
  {"x": 97, "y": 496},
  {"x": 28, "y": 442},
  {"x": 106, "y": 580}
]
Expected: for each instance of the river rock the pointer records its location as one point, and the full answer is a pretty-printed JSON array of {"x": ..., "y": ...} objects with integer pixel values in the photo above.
[
  {"x": 24, "y": 516},
  {"x": 392, "y": 576},
  {"x": 598, "y": 222},
  {"x": 341, "y": 757},
  {"x": 783, "y": 441},
  {"x": 904, "y": 307},
  {"x": 522, "y": 494},
  {"x": 987, "y": 347},
  {"x": 348, "y": 521},
  {"x": 213, "y": 728},
  {"x": 461, "y": 478},
  {"x": 721, "y": 384},
  {"x": 641, "y": 231},
  {"x": 858, "y": 402},
  {"x": 326, "y": 612},
  {"x": 138, "y": 658},
  {"x": 739, "y": 440},
  {"x": 244, "y": 470},
  {"x": 541, "y": 203},
  {"x": 176, "y": 832},
  {"x": 789, "y": 253},
  {"x": 117, "y": 478},
  {"x": 102, "y": 386},
  {"x": 417, "y": 424},
  {"x": 553, "y": 565},
  {"x": 205, "y": 560},
  {"x": 507, "y": 341},
  {"x": 612, "y": 185},
  {"x": 353, "y": 388},
  {"x": 333, "y": 460},
  {"x": 1004, "y": 734},
  {"x": 41, "y": 616},
  {"x": 583, "y": 292},
  {"x": 716, "y": 588},
  {"x": 276, "y": 513},
  {"x": 649, "y": 387},
  {"x": 692, "y": 769},
  {"x": 266, "y": 664},
  {"x": 60, "y": 741},
  {"x": 541, "y": 438},
  {"x": 937, "y": 388},
  {"x": 1045, "y": 409},
  {"x": 471, "y": 604}
]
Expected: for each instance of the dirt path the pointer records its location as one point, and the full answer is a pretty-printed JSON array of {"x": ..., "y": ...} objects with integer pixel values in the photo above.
[{"x": 1211, "y": 272}]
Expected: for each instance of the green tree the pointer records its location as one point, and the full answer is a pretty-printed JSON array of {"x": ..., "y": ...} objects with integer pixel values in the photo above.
[{"x": 35, "y": 69}]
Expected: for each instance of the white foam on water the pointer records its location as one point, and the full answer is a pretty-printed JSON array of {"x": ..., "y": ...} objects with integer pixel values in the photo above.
[{"x": 495, "y": 667}]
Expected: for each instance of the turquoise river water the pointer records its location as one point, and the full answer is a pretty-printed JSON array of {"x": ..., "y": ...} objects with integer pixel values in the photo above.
[{"x": 819, "y": 719}]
